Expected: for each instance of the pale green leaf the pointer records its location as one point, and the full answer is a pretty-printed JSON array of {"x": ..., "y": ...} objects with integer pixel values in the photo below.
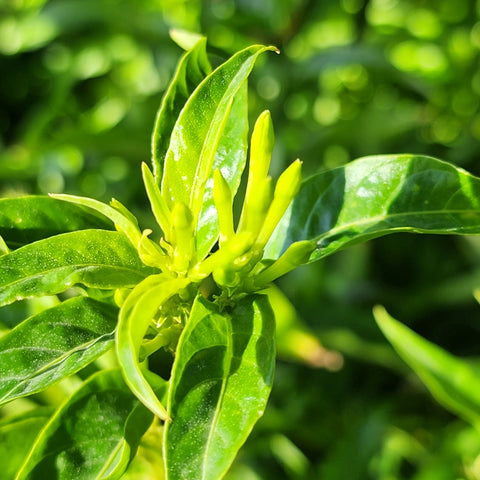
[{"x": 136, "y": 314}]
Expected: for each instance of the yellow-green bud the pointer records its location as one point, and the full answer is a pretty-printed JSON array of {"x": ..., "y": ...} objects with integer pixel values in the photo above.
[
  {"x": 183, "y": 238},
  {"x": 222, "y": 197},
  {"x": 296, "y": 254},
  {"x": 287, "y": 187},
  {"x": 261, "y": 146}
]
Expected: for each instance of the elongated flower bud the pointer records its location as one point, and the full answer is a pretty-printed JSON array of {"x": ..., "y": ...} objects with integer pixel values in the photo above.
[
  {"x": 287, "y": 187},
  {"x": 183, "y": 239},
  {"x": 261, "y": 147},
  {"x": 297, "y": 254},
  {"x": 222, "y": 197}
]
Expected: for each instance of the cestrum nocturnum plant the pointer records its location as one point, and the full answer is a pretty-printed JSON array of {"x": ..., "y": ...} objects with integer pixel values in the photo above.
[{"x": 201, "y": 290}]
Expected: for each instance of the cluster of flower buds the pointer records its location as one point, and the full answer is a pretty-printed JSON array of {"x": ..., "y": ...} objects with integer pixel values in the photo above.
[{"x": 237, "y": 263}]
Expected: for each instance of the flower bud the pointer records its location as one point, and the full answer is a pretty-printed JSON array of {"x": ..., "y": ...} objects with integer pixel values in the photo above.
[
  {"x": 287, "y": 187},
  {"x": 183, "y": 238},
  {"x": 222, "y": 197},
  {"x": 297, "y": 254}
]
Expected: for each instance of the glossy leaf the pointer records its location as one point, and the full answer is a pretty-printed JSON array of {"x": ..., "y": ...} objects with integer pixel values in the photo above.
[
  {"x": 28, "y": 219},
  {"x": 230, "y": 159},
  {"x": 54, "y": 344},
  {"x": 94, "y": 434},
  {"x": 192, "y": 69},
  {"x": 196, "y": 136},
  {"x": 374, "y": 196},
  {"x": 220, "y": 383},
  {"x": 17, "y": 435},
  {"x": 452, "y": 381},
  {"x": 95, "y": 258},
  {"x": 136, "y": 314}
]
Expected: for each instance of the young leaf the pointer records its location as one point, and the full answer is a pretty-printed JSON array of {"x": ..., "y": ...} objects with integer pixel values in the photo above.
[
  {"x": 189, "y": 160},
  {"x": 221, "y": 379},
  {"x": 94, "y": 434},
  {"x": 17, "y": 435},
  {"x": 192, "y": 69},
  {"x": 95, "y": 258},
  {"x": 136, "y": 314},
  {"x": 27, "y": 219},
  {"x": 54, "y": 344},
  {"x": 451, "y": 380},
  {"x": 374, "y": 196}
]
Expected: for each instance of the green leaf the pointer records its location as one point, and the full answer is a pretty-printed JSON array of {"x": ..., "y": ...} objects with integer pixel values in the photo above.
[
  {"x": 221, "y": 379},
  {"x": 94, "y": 258},
  {"x": 195, "y": 139},
  {"x": 452, "y": 381},
  {"x": 17, "y": 435},
  {"x": 230, "y": 159},
  {"x": 136, "y": 314},
  {"x": 54, "y": 344},
  {"x": 94, "y": 434},
  {"x": 192, "y": 69},
  {"x": 27, "y": 219},
  {"x": 374, "y": 196}
]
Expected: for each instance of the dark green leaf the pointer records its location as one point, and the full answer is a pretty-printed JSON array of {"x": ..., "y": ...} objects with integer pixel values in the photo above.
[
  {"x": 17, "y": 435},
  {"x": 378, "y": 195},
  {"x": 220, "y": 383},
  {"x": 196, "y": 136},
  {"x": 95, "y": 258},
  {"x": 451, "y": 380},
  {"x": 94, "y": 434},
  {"x": 192, "y": 69},
  {"x": 54, "y": 344},
  {"x": 27, "y": 219}
]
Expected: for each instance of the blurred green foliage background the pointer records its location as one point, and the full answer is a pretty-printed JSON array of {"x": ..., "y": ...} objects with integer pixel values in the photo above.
[{"x": 80, "y": 83}]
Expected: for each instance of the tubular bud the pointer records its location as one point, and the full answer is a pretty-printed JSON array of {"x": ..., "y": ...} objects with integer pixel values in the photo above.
[
  {"x": 183, "y": 238},
  {"x": 297, "y": 254},
  {"x": 287, "y": 187},
  {"x": 150, "y": 253},
  {"x": 255, "y": 210},
  {"x": 222, "y": 197},
  {"x": 261, "y": 147}
]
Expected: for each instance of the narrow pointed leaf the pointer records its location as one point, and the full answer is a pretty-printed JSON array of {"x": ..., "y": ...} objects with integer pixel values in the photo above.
[
  {"x": 17, "y": 435},
  {"x": 54, "y": 344},
  {"x": 123, "y": 219},
  {"x": 189, "y": 160},
  {"x": 192, "y": 69},
  {"x": 28, "y": 219},
  {"x": 220, "y": 383},
  {"x": 94, "y": 434},
  {"x": 374, "y": 196},
  {"x": 136, "y": 314},
  {"x": 95, "y": 258},
  {"x": 452, "y": 381}
]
